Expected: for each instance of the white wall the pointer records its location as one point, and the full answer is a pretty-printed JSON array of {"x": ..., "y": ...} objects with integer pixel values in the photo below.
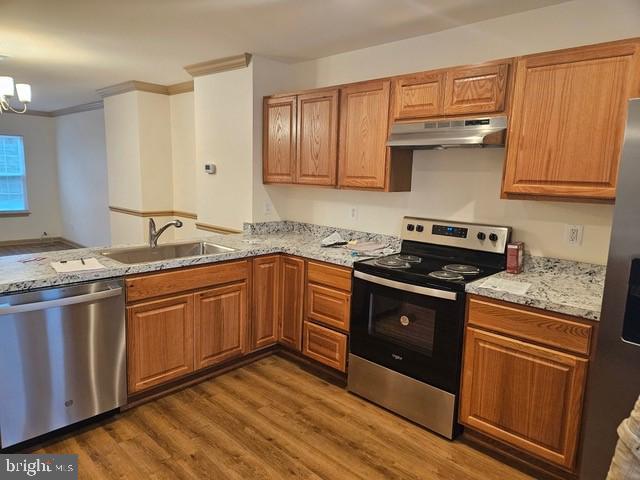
[
  {"x": 82, "y": 177},
  {"x": 223, "y": 136},
  {"x": 184, "y": 161},
  {"x": 121, "y": 119},
  {"x": 42, "y": 178},
  {"x": 465, "y": 185},
  {"x": 154, "y": 117}
]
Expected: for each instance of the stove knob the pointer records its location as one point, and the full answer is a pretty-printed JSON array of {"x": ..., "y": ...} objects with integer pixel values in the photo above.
[
  {"x": 419, "y": 228},
  {"x": 493, "y": 237},
  {"x": 481, "y": 236},
  {"x": 411, "y": 227}
]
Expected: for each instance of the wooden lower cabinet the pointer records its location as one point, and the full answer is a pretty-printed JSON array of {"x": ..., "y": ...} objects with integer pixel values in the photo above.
[
  {"x": 159, "y": 341},
  {"x": 265, "y": 305},
  {"x": 220, "y": 324},
  {"x": 328, "y": 306},
  {"x": 325, "y": 346},
  {"x": 524, "y": 394},
  {"x": 292, "y": 302}
]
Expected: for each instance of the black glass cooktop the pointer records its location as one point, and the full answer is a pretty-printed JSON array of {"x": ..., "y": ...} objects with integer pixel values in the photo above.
[{"x": 442, "y": 268}]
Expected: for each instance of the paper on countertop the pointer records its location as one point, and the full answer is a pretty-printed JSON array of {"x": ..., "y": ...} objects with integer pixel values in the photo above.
[
  {"x": 365, "y": 247},
  {"x": 510, "y": 286},
  {"x": 77, "y": 265},
  {"x": 334, "y": 239}
]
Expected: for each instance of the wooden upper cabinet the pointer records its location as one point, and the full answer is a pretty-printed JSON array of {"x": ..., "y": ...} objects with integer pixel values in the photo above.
[
  {"x": 364, "y": 121},
  {"x": 476, "y": 90},
  {"x": 220, "y": 324},
  {"x": 266, "y": 291},
  {"x": 317, "y": 154},
  {"x": 291, "y": 302},
  {"x": 279, "y": 140},
  {"x": 525, "y": 395},
  {"x": 567, "y": 121},
  {"x": 418, "y": 96},
  {"x": 159, "y": 341}
]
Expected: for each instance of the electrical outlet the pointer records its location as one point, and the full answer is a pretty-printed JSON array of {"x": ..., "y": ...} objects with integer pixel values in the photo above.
[
  {"x": 353, "y": 213},
  {"x": 573, "y": 235},
  {"x": 268, "y": 208}
]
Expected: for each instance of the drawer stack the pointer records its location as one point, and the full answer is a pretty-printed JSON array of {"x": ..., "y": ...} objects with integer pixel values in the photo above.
[{"x": 327, "y": 313}]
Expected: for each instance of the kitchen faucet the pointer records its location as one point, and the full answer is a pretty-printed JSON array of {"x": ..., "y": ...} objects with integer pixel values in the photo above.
[{"x": 155, "y": 235}]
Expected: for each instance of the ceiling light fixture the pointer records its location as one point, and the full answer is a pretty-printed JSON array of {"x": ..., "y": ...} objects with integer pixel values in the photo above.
[{"x": 7, "y": 90}]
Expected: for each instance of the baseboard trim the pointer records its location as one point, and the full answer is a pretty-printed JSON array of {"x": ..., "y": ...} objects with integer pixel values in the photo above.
[{"x": 33, "y": 241}]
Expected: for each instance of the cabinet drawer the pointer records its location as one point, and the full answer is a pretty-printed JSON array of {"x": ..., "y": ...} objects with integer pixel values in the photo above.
[
  {"x": 329, "y": 275},
  {"x": 192, "y": 278},
  {"x": 546, "y": 329},
  {"x": 325, "y": 346},
  {"x": 328, "y": 306}
]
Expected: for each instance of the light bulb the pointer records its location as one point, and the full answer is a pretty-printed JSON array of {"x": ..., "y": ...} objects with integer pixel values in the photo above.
[
  {"x": 6, "y": 87},
  {"x": 24, "y": 92}
]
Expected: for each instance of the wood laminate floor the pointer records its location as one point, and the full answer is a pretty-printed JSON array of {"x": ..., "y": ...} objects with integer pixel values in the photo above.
[{"x": 270, "y": 420}]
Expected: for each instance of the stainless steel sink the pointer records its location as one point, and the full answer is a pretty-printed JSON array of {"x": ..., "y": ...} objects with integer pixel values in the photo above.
[{"x": 166, "y": 251}]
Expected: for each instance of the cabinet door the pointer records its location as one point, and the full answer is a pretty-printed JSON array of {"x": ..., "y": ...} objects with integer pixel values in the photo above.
[
  {"x": 292, "y": 302},
  {"x": 567, "y": 121},
  {"x": 266, "y": 291},
  {"x": 418, "y": 96},
  {"x": 317, "y": 153},
  {"x": 364, "y": 121},
  {"x": 476, "y": 90},
  {"x": 528, "y": 396},
  {"x": 159, "y": 341},
  {"x": 279, "y": 140},
  {"x": 220, "y": 324},
  {"x": 325, "y": 346}
]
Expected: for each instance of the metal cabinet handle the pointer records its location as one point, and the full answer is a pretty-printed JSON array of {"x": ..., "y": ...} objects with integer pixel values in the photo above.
[
  {"x": 407, "y": 287},
  {"x": 6, "y": 309}
]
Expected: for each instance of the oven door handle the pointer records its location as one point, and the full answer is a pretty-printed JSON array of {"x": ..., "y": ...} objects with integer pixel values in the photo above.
[{"x": 407, "y": 287}]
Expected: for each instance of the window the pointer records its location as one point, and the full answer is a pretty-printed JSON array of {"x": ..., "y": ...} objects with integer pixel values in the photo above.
[{"x": 13, "y": 185}]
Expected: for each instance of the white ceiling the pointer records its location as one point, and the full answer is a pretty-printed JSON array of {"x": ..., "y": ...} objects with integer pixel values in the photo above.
[{"x": 69, "y": 48}]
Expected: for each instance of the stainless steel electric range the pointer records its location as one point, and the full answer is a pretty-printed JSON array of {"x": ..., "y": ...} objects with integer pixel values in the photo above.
[{"x": 407, "y": 318}]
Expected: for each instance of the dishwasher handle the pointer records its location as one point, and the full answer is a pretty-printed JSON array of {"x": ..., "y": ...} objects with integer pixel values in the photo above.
[{"x": 6, "y": 309}]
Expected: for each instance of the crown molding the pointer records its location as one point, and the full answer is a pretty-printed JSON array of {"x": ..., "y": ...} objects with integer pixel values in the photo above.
[
  {"x": 85, "y": 107},
  {"x": 178, "y": 88},
  {"x": 34, "y": 113},
  {"x": 138, "y": 86},
  {"x": 218, "y": 65},
  {"x": 130, "y": 86}
]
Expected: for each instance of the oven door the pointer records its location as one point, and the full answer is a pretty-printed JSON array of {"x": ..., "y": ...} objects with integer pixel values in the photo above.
[{"x": 411, "y": 329}]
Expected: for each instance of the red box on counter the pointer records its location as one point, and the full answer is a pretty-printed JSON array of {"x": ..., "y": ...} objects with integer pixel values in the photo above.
[{"x": 515, "y": 257}]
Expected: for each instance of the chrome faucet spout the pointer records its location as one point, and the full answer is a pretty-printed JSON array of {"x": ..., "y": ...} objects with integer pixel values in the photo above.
[{"x": 154, "y": 234}]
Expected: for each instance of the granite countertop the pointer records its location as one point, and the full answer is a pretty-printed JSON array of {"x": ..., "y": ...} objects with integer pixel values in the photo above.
[
  {"x": 258, "y": 239},
  {"x": 550, "y": 284},
  {"x": 555, "y": 285}
]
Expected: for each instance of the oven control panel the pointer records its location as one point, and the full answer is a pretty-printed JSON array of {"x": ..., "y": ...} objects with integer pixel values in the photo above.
[
  {"x": 450, "y": 231},
  {"x": 486, "y": 238}
]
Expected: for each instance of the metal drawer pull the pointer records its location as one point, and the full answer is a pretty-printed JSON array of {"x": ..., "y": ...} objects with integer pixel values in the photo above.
[
  {"x": 407, "y": 287},
  {"x": 6, "y": 309}
]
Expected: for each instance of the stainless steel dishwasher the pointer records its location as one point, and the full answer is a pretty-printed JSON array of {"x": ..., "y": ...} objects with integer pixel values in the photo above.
[{"x": 62, "y": 357}]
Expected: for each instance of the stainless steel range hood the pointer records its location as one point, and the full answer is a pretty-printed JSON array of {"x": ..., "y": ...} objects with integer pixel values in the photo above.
[{"x": 440, "y": 134}]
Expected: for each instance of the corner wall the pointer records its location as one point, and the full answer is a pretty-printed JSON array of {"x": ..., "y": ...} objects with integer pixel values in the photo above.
[
  {"x": 42, "y": 178},
  {"x": 82, "y": 172}
]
